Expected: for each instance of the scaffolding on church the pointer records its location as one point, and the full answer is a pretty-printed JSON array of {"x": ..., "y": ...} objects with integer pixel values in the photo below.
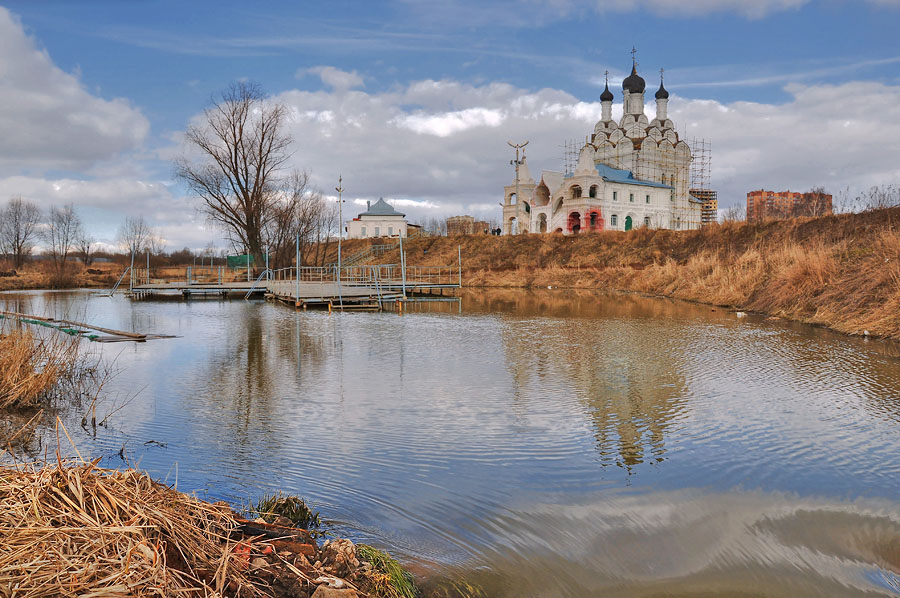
[
  {"x": 701, "y": 153},
  {"x": 695, "y": 178},
  {"x": 570, "y": 149},
  {"x": 701, "y": 164}
]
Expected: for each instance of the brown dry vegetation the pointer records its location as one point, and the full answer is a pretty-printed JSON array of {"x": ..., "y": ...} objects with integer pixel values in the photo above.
[
  {"x": 840, "y": 271},
  {"x": 75, "y": 530},
  {"x": 30, "y": 368},
  {"x": 40, "y": 275}
]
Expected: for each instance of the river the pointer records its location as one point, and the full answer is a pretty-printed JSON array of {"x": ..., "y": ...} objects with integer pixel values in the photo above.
[{"x": 551, "y": 443}]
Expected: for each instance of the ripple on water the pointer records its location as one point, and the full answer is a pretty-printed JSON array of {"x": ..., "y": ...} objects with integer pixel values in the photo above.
[{"x": 562, "y": 444}]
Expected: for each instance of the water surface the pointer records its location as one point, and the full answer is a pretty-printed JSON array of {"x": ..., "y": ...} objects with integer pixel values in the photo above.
[{"x": 554, "y": 443}]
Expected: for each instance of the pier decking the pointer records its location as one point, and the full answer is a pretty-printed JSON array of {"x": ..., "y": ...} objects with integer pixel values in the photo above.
[{"x": 347, "y": 287}]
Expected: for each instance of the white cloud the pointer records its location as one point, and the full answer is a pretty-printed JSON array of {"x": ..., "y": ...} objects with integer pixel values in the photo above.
[
  {"x": 444, "y": 142},
  {"x": 749, "y": 8},
  {"x": 831, "y": 135},
  {"x": 524, "y": 13},
  {"x": 48, "y": 120},
  {"x": 335, "y": 78},
  {"x": 449, "y": 123}
]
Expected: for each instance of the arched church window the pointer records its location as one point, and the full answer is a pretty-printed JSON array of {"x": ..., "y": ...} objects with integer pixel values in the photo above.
[
  {"x": 593, "y": 191},
  {"x": 576, "y": 192}
]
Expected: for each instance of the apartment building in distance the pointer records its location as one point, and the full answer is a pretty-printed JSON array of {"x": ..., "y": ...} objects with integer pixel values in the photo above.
[
  {"x": 466, "y": 225},
  {"x": 709, "y": 211},
  {"x": 767, "y": 205}
]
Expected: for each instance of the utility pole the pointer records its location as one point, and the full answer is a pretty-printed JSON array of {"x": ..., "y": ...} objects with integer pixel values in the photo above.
[
  {"x": 517, "y": 163},
  {"x": 340, "y": 190}
]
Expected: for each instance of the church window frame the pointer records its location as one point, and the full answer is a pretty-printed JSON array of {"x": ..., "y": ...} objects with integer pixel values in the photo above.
[
  {"x": 576, "y": 191},
  {"x": 647, "y": 221},
  {"x": 362, "y": 231},
  {"x": 631, "y": 197},
  {"x": 592, "y": 192},
  {"x": 615, "y": 196},
  {"x": 614, "y": 220},
  {"x": 647, "y": 199}
]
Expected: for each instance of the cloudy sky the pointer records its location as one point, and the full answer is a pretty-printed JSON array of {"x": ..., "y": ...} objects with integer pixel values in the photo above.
[{"x": 414, "y": 100}]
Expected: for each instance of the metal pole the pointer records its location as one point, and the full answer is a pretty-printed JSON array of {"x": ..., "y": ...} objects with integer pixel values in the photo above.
[
  {"x": 459, "y": 263},
  {"x": 340, "y": 190},
  {"x": 248, "y": 266},
  {"x": 267, "y": 264},
  {"x": 402, "y": 264},
  {"x": 297, "y": 297},
  {"x": 148, "y": 266},
  {"x": 131, "y": 276}
]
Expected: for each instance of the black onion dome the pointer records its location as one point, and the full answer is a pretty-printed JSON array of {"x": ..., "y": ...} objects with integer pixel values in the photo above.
[
  {"x": 661, "y": 93},
  {"x": 607, "y": 95},
  {"x": 634, "y": 82}
]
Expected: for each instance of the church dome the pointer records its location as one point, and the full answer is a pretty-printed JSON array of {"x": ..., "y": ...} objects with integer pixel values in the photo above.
[
  {"x": 661, "y": 93},
  {"x": 607, "y": 95},
  {"x": 634, "y": 82}
]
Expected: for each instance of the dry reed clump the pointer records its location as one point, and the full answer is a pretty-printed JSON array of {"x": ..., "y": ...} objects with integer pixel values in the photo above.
[
  {"x": 30, "y": 367},
  {"x": 76, "y": 530},
  {"x": 798, "y": 275}
]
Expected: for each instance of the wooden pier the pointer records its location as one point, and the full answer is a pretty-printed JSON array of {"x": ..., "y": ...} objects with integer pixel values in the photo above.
[{"x": 349, "y": 287}]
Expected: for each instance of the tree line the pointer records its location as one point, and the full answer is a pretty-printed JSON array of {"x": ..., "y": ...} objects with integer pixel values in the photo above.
[{"x": 23, "y": 224}]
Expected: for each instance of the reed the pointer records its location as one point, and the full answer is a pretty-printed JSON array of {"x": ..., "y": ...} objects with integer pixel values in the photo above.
[
  {"x": 387, "y": 579},
  {"x": 73, "y": 529},
  {"x": 272, "y": 506},
  {"x": 31, "y": 367}
]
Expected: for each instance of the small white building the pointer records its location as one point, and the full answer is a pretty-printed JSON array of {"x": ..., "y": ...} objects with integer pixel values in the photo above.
[{"x": 379, "y": 220}]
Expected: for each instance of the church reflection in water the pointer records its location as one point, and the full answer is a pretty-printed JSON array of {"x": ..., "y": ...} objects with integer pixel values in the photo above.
[{"x": 603, "y": 353}]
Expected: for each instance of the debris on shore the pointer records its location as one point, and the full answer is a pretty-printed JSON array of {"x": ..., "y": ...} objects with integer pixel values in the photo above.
[{"x": 74, "y": 529}]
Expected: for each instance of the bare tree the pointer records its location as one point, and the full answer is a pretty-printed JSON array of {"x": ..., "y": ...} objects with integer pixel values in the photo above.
[
  {"x": 85, "y": 244},
  {"x": 816, "y": 202},
  {"x": 242, "y": 147},
  {"x": 60, "y": 234},
  {"x": 879, "y": 197},
  {"x": 18, "y": 229},
  {"x": 134, "y": 234},
  {"x": 735, "y": 213},
  {"x": 156, "y": 245}
]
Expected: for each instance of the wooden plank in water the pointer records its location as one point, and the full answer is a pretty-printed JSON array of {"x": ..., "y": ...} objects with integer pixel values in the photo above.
[{"x": 135, "y": 335}]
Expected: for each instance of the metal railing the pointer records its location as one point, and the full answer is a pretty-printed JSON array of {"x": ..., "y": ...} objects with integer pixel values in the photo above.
[
  {"x": 370, "y": 251},
  {"x": 119, "y": 282},
  {"x": 267, "y": 274},
  {"x": 385, "y": 274}
]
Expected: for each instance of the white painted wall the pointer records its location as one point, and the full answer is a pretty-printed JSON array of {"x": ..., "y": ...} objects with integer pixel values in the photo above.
[{"x": 369, "y": 227}]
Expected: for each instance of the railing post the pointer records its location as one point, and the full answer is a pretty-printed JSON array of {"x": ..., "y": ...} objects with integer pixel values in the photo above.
[
  {"x": 459, "y": 263},
  {"x": 403, "y": 270}
]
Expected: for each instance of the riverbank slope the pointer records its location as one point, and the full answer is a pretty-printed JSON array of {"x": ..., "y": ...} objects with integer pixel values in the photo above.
[{"x": 840, "y": 271}]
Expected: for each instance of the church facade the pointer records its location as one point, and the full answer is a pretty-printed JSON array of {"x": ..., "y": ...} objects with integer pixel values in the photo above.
[{"x": 630, "y": 173}]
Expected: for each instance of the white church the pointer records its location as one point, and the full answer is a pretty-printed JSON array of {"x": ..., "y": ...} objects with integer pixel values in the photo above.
[{"x": 630, "y": 174}]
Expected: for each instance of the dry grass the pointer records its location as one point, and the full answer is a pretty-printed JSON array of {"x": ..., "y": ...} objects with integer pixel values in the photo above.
[
  {"x": 841, "y": 271},
  {"x": 40, "y": 275},
  {"x": 76, "y": 530},
  {"x": 30, "y": 367}
]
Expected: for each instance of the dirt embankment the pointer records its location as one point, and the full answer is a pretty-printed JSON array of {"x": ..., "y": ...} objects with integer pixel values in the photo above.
[{"x": 838, "y": 271}]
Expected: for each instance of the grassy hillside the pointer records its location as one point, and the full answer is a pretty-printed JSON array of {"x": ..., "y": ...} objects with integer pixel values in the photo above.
[{"x": 839, "y": 271}]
